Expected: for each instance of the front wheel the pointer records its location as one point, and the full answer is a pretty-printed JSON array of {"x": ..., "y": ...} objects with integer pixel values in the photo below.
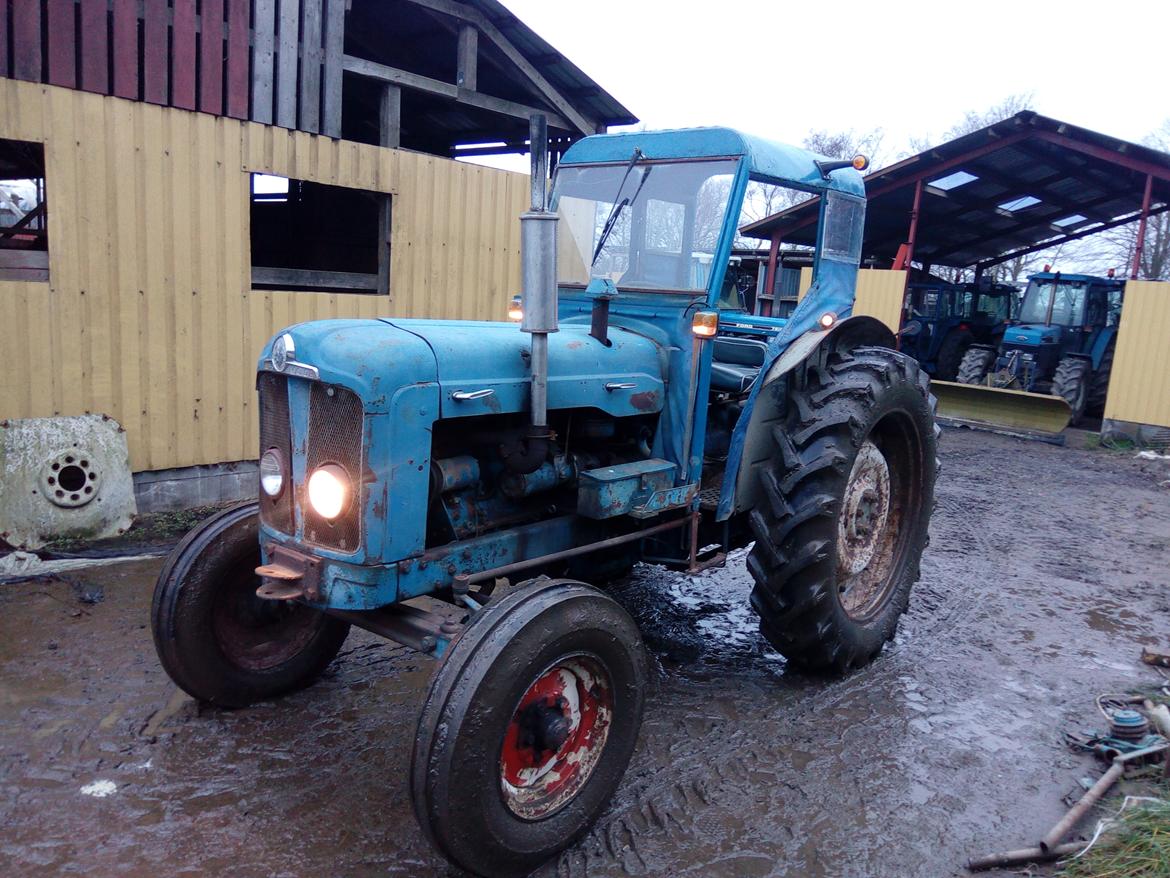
[
  {"x": 844, "y": 510},
  {"x": 975, "y": 365},
  {"x": 216, "y": 639},
  {"x": 528, "y": 727},
  {"x": 1072, "y": 382},
  {"x": 951, "y": 353}
]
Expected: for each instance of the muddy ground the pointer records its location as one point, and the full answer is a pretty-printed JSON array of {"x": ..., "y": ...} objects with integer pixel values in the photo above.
[{"x": 1048, "y": 570}]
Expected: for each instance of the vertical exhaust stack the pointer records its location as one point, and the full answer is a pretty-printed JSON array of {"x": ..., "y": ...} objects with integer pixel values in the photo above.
[{"x": 538, "y": 250}]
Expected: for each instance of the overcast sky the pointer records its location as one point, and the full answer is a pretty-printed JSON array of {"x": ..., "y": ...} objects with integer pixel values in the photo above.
[{"x": 779, "y": 69}]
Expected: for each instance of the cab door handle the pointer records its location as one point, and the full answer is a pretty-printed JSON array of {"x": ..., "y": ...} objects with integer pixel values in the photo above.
[
  {"x": 620, "y": 385},
  {"x": 462, "y": 395}
]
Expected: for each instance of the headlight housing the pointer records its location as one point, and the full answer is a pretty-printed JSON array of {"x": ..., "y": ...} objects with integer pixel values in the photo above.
[
  {"x": 272, "y": 473},
  {"x": 330, "y": 490}
]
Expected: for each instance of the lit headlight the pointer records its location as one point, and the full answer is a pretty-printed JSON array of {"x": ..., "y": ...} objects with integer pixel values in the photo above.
[
  {"x": 272, "y": 472},
  {"x": 329, "y": 490}
]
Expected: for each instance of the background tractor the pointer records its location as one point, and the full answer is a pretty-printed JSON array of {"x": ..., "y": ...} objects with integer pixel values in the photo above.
[
  {"x": 437, "y": 482},
  {"x": 1062, "y": 343},
  {"x": 943, "y": 320}
]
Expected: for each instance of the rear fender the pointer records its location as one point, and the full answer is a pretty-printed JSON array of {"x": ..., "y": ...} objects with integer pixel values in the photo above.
[{"x": 751, "y": 443}]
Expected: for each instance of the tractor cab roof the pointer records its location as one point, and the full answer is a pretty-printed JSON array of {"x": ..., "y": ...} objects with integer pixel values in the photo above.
[
  {"x": 1077, "y": 278},
  {"x": 776, "y": 162}
]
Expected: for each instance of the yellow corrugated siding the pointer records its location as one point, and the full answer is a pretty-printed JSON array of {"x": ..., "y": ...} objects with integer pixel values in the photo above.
[
  {"x": 879, "y": 294},
  {"x": 1139, "y": 389},
  {"x": 148, "y": 314}
]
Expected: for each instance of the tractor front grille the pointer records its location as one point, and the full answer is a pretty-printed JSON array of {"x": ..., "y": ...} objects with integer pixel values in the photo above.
[
  {"x": 335, "y": 436},
  {"x": 275, "y": 432}
]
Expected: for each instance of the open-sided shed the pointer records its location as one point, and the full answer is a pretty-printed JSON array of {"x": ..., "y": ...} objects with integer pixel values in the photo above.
[{"x": 1019, "y": 186}]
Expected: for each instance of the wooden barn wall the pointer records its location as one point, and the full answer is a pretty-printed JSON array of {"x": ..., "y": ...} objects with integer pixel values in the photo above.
[
  {"x": 148, "y": 316},
  {"x": 1139, "y": 388}
]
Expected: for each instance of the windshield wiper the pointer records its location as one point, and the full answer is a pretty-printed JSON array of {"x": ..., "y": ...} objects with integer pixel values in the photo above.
[{"x": 619, "y": 206}]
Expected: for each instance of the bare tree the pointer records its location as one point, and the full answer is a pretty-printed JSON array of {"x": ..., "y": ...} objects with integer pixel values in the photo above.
[
  {"x": 847, "y": 144},
  {"x": 1116, "y": 247},
  {"x": 972, "y": 121}
]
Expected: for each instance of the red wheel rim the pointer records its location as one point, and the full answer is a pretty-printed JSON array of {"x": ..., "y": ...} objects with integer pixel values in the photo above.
[{"x": 555, "y": 737}]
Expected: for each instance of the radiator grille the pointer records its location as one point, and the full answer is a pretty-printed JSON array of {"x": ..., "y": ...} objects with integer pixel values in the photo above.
[
  {"x": 335, "y": 436},
  {"x": 275, "y": 432}
]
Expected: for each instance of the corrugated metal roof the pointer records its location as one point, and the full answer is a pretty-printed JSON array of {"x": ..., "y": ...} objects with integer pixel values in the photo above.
[{"x": 1024, "y": 183}]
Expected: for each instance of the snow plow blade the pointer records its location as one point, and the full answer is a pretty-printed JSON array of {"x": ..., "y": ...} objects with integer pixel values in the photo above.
[{"x": 996, "y": 408}]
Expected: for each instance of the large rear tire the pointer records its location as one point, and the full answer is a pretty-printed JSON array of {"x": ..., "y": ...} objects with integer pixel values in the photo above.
[
  {"x": 1072, "y": 381},
  {"x": 528, "y": 727},
  {"x": 951, "y": 353},
  {"x": 1100, "y": 389},
  {"x": 215, "y": 638},
  {"x": 845, "y": 508},
  {"x": 975, "y": 365}
]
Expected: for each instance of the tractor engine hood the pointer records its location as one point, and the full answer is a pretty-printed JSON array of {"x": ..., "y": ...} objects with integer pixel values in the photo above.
[
  {"x": 1031, "y": 335},
  {"x": 483, "y": 368},
  {"x": 378, "y": 358}
]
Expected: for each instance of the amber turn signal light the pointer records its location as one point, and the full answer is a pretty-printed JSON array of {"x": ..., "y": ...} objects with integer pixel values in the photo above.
[
  {"x": 860, "y": 162},
  {"x": 705, "y": 324}
]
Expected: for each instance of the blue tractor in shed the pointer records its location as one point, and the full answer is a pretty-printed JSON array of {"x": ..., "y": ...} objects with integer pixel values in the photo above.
[
  {"x": 943, "y": 320},
  {"x": 1061, "y": 343},
  {"x": 445, "y": 485}
]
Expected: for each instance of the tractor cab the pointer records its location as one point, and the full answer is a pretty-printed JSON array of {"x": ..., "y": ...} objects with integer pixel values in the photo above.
[{"x": 942, "y": 320}]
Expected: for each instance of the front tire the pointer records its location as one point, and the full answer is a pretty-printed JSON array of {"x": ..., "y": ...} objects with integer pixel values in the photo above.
[
  {"x": 951, "y": 353},
  {"x": 215, "y": 638},
  {"x": 975, "y": 365},
  {"x": 528, "y": 727},
  {"x": 845, "y": 508},
  {"x": 1072, "y": 382}
]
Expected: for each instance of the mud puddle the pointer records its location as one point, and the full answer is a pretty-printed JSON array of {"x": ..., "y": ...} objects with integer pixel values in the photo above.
[{"x": 1046, "y": 574}]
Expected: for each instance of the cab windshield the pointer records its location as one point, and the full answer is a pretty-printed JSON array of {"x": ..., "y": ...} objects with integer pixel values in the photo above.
[
  {"x": 1067, "y": 308},
  {"x": 658, "y": 223}
]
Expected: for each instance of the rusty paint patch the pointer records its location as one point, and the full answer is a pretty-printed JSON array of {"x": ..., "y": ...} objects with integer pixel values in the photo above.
[{"x": 645, "y": 401}]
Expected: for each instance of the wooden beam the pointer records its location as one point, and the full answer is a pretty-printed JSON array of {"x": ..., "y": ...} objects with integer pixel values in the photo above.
[
  {"x": 311, "y": 57},
  {"x": 334, "y": 55},
  {"x": 493, "y": 33},
  {"x": 263, "y": 44},
  {"x": 390, "y": 117},
  {"x": 286, "y": 63},
  {"x": 319, "y": 280},
  {"x": 467, "y": 58},
  {"x": 415, "y": 82}
]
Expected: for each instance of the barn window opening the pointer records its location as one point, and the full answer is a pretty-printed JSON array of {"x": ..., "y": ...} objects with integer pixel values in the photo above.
[
  {"x": 24, "y": 238},
  {"x": 317, "y": 238}
]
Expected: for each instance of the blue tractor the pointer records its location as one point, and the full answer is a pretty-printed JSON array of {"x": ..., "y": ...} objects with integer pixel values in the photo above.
[
  {"x": 448, "y": 484},
  {"x": 943, "y": 320},
  {"x": 1061, "y": 343}
]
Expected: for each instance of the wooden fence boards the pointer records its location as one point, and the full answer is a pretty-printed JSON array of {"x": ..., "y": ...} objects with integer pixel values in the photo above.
[
  {"x": 286, "y": 64},
  {"x": 183, "y": 55},
  {"x": 95, "y": 46},
  {"x": 62, "y": 42},
  {"x": 155, "y": 67},
  {"x": 236, "y": 84},
  {"x": 211, "y": 56},
  {"x": 334, "y": 50},
  {"x": 263, "y": 44},
  {"x": 311, "y": 56},
  {"x": 26, "y": 40},
  {"x": 126, "y": 49}
]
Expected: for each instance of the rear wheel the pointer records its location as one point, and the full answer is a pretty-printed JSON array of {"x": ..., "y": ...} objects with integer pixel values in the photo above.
[
  {"x": 1072, "y": 381},
  {"x": 1100, "y": 389},
  {"x": 951, "y": 353},
  {"x": 528, "y": 727},
  {"x": 216, "y": 639},
  {"x": 845, "y": 509},
  {"x": 975, "y": 365}
]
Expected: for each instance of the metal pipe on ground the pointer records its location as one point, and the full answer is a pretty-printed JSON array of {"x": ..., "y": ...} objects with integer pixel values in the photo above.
[
  {"x": 1006, "y": 859},
  {"x": 1095, "y": 792}
]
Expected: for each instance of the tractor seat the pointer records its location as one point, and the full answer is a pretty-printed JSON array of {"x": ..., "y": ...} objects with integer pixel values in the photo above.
[{"x": 735, "y": 363}]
